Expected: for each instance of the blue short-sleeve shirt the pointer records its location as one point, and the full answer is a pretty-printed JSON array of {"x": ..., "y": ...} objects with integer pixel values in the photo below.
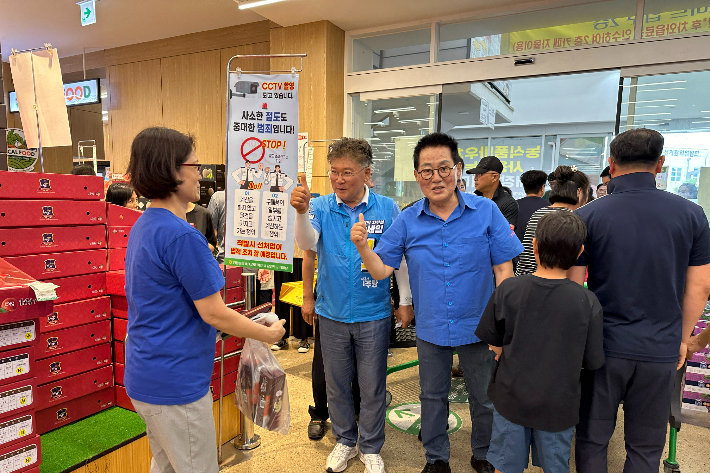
[
  {"x": 170, "y": 349},
  {"x": 449, "y": 264},
  {"x": 640, "y": 242}
]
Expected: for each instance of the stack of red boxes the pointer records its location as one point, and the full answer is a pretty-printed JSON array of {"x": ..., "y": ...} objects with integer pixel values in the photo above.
[
  {"x": 20, "y": 314},
  {"x": 235, "y": 293},
  {"x": 120, "y": 221},
  {"x": 52, "y": 227}
]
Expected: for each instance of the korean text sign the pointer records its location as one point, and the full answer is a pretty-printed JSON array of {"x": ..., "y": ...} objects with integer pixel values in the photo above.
[{"x": 262, "y": 165}]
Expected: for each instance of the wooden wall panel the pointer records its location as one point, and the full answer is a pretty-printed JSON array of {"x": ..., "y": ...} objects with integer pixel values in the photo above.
[
  {"x": 249, "y": 64},
  {"x": 191, "y": 98},
  {"x": 250, "y": 33},
  {"x": 135, "y": 103},
  {"x": 13, "y": 119},
  {"x": 72, "y": 64},
  {"x": 320, "y": 106}
]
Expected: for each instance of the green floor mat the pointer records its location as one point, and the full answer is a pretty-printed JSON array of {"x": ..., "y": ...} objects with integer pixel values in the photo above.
[
  {"x": 74, "y": 444},
  {"x": 458, "y": 393}
]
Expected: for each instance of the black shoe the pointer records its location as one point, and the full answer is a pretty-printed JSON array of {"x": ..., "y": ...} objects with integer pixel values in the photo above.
[
  {"x": 316, "y": 429},
  {"x": 481, "y": 466},
  {"x": 439, "y": 466},
  {"x": 280, "y": 345}
]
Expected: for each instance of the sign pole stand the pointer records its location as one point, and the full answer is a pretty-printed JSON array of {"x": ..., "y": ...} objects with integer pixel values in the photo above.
[{"x": 241, "y": 442}]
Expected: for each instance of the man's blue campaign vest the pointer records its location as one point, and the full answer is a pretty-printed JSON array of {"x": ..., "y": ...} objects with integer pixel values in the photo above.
[{"x": 346, "y": 291}]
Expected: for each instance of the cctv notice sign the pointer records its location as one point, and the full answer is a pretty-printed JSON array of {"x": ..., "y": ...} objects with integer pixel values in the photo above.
[{"x": 262, "y": 169}]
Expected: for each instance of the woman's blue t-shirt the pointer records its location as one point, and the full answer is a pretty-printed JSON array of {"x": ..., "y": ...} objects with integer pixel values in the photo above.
[{"x": 169, "y": 349}]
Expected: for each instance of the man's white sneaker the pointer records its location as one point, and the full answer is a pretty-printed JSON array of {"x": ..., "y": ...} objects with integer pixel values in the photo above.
[
  {"x": 338, "y": 458},
  {"x": 373, "y": 463}
]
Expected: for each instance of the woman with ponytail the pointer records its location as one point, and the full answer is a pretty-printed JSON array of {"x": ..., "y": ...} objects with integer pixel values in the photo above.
[{"x": 569, "y": 193}]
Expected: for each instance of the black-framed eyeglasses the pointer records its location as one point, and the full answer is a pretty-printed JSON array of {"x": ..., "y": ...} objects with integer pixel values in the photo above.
[
  {"x": 444, "y": 171},
  {"x": 197, "y": 166}
]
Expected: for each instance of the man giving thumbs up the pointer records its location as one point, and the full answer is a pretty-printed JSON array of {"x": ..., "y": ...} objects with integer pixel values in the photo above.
[{"x": 353, "y": 308}]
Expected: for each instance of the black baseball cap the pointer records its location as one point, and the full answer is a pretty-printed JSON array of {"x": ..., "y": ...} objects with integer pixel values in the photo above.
[{"x": 489, "y": 163}]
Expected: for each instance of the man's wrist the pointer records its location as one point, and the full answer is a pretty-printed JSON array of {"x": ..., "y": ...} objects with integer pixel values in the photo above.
[{"x": 308, "y": 297}]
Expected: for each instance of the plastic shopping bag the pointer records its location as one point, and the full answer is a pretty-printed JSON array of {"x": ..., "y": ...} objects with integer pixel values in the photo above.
[{"x": 262, "y": 393}]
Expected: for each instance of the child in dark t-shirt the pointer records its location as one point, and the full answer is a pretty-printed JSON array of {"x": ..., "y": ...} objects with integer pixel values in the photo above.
[{"x": 544, "y": 329}]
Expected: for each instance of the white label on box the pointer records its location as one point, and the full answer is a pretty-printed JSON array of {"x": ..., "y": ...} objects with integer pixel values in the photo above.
[
  {"x": 20, "y": 332},
  {"x": 14, "y": 366},
  {"x": 18, "y": 459},
  {"x": 15, "y": 399},
  {"x": 694, "y": 370},
  {"x": 15, "y": 429},
  {"x": 695, "y": 389}
]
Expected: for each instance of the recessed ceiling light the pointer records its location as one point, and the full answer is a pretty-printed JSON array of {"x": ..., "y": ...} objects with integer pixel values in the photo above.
[
  {"x": 464, "y": 113},
  {"x": 244, "y": 4}
]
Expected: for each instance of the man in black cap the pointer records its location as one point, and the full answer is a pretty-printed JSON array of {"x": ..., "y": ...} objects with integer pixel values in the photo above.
[{"x": 487, "y": 180}]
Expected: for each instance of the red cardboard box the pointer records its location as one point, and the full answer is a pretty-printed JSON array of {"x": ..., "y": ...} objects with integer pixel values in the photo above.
[
  {"x": 119, "y": 303},
  {"x": 62, "y": 366},
  {"x": 18, "y": 397},
  {"x": 50, "y": 213},
  {"x": 117, "y": 259},
  {"x": 234, "y": 275},
  {"x": 116, "y": 283},
  {"x": 76, "y": 409},
  {"x": 118, "y": 216},
  {"x": 59, "y": 265},
  {"x": 76, "y": 313},
  {"x": 119, "y": 352},
  {"x": 24, "y": 456},
  {"x": 16, "y": 428},
  {"x": 122, "y": 399},
  {"x": 119, "y": 370},
  {"x": 75, "y": 338},
  {"x": 30, "y": 241},
  {"x": 234, "y": 294},
  {"x": 120, "y": 328},
  {"x": 60, "y": 391},
  {"x": 17, "y": 300},
  {"x": 16, "y": 334},
  {"x": 230, "y": 365},
  {"x": 16, "y": 365},
  {"x": 79, "y": 287},
  {"x": 35, "y": 185},
  {"x": 118, "y": 237}
]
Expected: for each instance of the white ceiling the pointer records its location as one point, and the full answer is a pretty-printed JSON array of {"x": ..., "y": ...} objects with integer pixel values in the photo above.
[{"x": 31, "y": 23}]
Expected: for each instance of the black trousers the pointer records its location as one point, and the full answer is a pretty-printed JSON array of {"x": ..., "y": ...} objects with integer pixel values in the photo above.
[
  {"x": 320, "y": 399},
  {"x": 646, "y": 390},
  {"x": 301, "y": 329}
]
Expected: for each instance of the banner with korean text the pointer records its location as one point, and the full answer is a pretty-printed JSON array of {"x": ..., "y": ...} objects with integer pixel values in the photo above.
[{"x": 262, "y": 169}]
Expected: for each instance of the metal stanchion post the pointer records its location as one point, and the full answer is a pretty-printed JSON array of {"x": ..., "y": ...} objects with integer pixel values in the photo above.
[{"x": 247, "y": 439}]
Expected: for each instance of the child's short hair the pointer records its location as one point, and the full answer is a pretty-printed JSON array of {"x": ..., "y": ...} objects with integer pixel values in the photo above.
[{"x": 560, "y": 235}]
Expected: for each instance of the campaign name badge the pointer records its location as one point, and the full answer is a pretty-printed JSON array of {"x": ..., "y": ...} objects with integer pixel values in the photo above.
[{"x": 375, "y": 227}]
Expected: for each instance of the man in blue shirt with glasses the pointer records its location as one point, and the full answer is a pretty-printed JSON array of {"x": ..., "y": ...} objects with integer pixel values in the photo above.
[{"x": 457, "y": 248}]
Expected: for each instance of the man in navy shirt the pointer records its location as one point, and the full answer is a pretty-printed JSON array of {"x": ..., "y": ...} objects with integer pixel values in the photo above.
[
  {"x": 648, "y": 256},
  {"x": 534, "y": 185},
  {"x": 450, "y": 241}
]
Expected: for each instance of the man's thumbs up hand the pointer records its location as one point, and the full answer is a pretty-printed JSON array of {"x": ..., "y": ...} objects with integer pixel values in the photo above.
[
  {"x": 358, "y": 234},
  {"x": 301, "y": 196}
]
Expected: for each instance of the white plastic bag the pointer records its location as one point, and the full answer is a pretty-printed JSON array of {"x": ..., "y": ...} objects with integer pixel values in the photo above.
[{"x": 262, "y": 393}]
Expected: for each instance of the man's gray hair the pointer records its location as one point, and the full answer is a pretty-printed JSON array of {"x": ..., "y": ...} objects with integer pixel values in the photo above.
[{"x": 357, "y": 149}]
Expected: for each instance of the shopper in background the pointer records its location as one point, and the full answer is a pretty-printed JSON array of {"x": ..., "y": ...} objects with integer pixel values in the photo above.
[
  {"x": 123, "y": 195},
  {"x": 568, "y": 194},
  {"x": 487, "y": 180},
  {"x": 266, "y": 287},
  {"x": 319, "y": 410},
  {"x": 353, "y": 307},
  {"x": 200, "y": 218},
  {"x": 605, "y": 175},
  {"x": 601, "y": 190},
  {"x": 652, "y": 277},
  {"x": 534, "y": 186},
  {"x": 536, "y": 391},
  {"x": 83, "y": 170},
  {"x": 295, "y": 325},
  {"x": 216, "y": 208},
  {"x": 458, "y": 246},
  {"x": 174, "y": 306},
  {"x": 461, "y": 185}
]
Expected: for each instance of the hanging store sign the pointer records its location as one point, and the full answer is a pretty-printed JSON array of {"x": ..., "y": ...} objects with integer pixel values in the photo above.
[
  {"x": 262, "y": 162},
  {"x": 88, "y": 12},
  {"x": 75, "y": 93}
]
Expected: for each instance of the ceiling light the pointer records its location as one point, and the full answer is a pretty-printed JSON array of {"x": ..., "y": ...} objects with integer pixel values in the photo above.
[
  {"x": 392, "y": 110},
  {"x": 415, "y": 120},
  {"x": 658, "y": 83},
  {"x": 464, "y": 113},
  {"x": 646, "y": 114},
  {"x": 705, "y": 121},
  {"x": 654, "y": 106},
  {"x": 389, "y": 131},
  {"x": 254, "y": 3},
  {"x": 661, "y": 90}
]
